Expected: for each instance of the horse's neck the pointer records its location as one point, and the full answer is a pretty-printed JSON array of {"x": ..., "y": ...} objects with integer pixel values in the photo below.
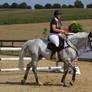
[{"x": 79, "y": 39}]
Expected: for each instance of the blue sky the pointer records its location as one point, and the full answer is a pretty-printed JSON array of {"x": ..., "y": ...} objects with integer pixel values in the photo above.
[{"x": 43, "y": 2}]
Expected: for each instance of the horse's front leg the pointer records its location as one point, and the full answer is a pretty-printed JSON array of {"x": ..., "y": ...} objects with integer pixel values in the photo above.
[
  {"x": 26, "y": 73},
  {"x": 66, "y": 67},
  {"x": 73, "y": 76},
  {"x": 35, "y": 73}
]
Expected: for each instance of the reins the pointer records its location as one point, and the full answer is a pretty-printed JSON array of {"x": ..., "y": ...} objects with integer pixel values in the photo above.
[{"x": 69, "y": 45}]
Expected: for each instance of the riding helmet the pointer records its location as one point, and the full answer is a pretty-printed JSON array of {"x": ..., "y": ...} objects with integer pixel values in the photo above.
[{"x": 57, "y": 12}]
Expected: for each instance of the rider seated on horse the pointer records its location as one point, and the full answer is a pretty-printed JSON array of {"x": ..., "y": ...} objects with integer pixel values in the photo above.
[{"x": 55, "y": 33}]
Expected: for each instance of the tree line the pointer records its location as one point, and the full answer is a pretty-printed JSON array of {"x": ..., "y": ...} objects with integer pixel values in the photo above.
[
  {"x": 16, "y": 5},
  {"x": 77, "y": 4}
]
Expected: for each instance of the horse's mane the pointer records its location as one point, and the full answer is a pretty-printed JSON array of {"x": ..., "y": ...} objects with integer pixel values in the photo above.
[
  {"x": 78, "y": 35},
  {"x": 77, "y": 39}
]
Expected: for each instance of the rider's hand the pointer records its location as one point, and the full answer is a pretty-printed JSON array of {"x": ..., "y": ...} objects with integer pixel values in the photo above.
[{"x": 62, "y": 31}]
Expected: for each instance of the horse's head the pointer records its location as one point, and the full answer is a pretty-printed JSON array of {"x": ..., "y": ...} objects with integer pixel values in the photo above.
[{"x": 90, "y": 40}]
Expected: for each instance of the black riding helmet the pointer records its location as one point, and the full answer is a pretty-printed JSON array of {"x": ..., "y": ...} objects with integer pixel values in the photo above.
[{"x": 57, "y": 12}]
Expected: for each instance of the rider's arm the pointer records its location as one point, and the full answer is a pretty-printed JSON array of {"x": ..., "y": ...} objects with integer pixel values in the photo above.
[{"x": 57, "y": 30}]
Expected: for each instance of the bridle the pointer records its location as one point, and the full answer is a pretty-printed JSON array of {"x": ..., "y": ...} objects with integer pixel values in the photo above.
[{"x": 90, "y": 42}]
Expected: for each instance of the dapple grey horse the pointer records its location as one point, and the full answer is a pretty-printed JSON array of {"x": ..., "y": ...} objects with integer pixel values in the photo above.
[{"x": 38, "y": 48}]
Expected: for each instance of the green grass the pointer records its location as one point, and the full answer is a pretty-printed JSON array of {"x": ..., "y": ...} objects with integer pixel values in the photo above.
[{"x": 21, "y": 16}]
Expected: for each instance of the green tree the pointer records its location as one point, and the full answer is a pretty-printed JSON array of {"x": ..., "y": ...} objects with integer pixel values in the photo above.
[
  {"x": 71, "y": 6},
  {"x": 56, "y": 5},
  {"x": 38, "y": 6},
  {"x": 1, "y": 6},
  {"x": 29, "y": 7},
  {"x": 78, "y": 4},
  {"x": 23, "y": 5},
  {"x": 89, "y": 6},
  {"x": 48, "y": 6},
  {"x": 6, "y": 5},
  {"x": 64, "y": 6},
  {"x": 14, "y": 5}
]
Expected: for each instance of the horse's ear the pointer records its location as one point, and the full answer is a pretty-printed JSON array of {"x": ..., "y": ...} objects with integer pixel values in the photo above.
[{"x": 90, "y": 34}]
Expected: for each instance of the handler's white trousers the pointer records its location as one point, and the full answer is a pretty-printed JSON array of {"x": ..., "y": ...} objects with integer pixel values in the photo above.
[{"x": 54, "y": 38}]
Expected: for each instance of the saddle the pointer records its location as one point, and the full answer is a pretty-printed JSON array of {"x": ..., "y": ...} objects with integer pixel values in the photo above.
[{"x": 55, "y": 49}]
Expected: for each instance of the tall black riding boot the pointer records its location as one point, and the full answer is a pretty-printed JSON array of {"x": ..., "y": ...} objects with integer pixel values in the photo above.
[{"x": 53, "y": 52}]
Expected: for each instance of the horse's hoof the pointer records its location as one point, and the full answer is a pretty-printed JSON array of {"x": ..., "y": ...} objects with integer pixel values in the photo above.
[
  {"x": 22, "y": 82},
  {"x": 71, "y": 83},
  {"x": 65, "y": 85},
  {"x": 40, "y": 84}
]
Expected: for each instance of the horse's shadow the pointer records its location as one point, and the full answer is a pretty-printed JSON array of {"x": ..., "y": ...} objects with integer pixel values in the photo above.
[
  {"x": 16, "y": 83},
  {"x": 29, "y": 84}
]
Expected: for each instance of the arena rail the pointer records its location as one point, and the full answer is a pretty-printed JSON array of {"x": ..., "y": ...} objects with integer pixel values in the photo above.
[
  {"x": 25, "y": 58},
  {"x": 10, "y": 49},
  {"x": 4, "y": 43},
  {"x": 52, "y": 69},
  {"x": 38, "y": 68},
  {"x": 14, "y": 59}
]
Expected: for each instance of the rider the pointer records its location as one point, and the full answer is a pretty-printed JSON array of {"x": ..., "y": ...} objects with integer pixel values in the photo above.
[{"x": 55, "y": 30}]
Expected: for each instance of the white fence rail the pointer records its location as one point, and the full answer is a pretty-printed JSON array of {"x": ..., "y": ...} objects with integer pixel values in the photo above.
[
  {"x": 38, "y": 68},
  {"x": 27, "y": 58},
  {"x": 13, "y": 59},
  {"x": 10, "y": 49}
]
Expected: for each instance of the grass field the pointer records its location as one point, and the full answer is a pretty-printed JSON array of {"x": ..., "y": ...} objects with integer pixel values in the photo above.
[
  {"x": 31, "y": 31},
  {"x": 21, "y": 16}
]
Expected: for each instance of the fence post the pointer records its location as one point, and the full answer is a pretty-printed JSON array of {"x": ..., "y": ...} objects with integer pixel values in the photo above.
[
  {"x": 1, "y": 43},
  {"x": 12, "y": 44}
]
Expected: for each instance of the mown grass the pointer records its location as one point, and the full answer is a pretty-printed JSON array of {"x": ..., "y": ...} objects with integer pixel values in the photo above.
[
  {"x": 21, "y": 16},
  {"x": 32, "y": 31}
]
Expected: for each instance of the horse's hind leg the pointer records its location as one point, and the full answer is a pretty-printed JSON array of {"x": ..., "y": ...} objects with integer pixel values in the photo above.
[
  {"x": 73, "y": 76},
  {"x": 66, "y": 67},
  {"x": 26, "y": 73}
]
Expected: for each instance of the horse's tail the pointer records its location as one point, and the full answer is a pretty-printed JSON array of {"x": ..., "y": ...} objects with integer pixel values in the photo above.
[{"x": 21, "y": 61}]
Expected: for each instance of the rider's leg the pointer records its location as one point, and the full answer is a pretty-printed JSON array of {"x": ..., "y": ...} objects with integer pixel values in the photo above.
[{"x": 54, "y": 38}]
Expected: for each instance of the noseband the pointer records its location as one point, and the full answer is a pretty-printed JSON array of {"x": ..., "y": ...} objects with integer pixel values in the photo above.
[{"x": 89, "y": 39}]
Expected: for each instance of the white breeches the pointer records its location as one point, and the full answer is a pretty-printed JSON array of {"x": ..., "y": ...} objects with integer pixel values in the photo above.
[{"x": 54, "y": 38}]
